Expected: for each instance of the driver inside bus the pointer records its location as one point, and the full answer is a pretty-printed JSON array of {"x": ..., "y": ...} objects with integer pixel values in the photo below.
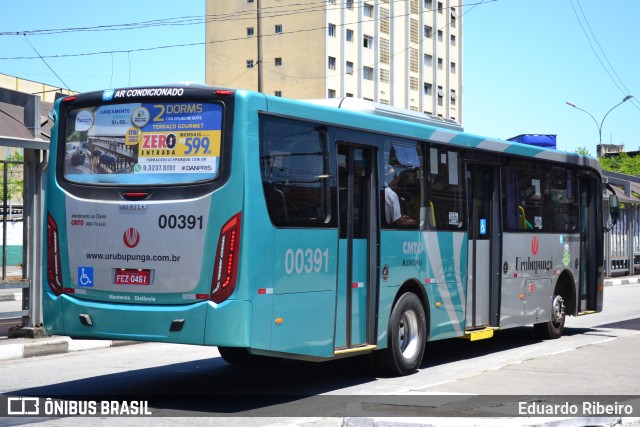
[{"x": 392, "y": 202}]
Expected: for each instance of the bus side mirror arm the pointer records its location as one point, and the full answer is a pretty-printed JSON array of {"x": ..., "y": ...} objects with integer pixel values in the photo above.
[{"x": 614, "y": 209}]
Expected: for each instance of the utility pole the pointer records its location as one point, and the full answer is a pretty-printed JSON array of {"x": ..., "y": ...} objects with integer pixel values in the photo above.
[{"x": 259, "y": 30}]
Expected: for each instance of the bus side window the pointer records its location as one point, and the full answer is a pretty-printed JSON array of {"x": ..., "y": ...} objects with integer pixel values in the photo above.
[
  {"x": 446, "y": 206},
  {"x": 523, "y": 197},
  {"x": 295, "y": 173},
  {"x": 403, "y": 185}
]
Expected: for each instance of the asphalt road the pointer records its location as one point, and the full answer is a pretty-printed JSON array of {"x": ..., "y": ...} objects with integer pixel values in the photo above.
[{"x": 598, "y": 356}]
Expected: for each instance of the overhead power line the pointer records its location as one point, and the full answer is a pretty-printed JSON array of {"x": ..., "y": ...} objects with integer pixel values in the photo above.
[
  {"x": 128, "y": 51},
  {"x": 617, "y": 81}
]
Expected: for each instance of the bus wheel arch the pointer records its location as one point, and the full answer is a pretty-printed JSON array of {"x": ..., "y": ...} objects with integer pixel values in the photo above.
[
  {"x": 562, "y": 303},
  {"x": 407, "y": 332}
]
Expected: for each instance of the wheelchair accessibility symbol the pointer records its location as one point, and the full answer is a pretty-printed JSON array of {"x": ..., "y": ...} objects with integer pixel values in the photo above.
[{"x": 85, "y": 277}]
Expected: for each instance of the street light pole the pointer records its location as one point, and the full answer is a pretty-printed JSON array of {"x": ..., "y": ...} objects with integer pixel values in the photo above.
[{"x": 599, "y": 125}]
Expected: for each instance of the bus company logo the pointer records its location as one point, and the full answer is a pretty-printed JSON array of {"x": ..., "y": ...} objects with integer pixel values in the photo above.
[
  {"x": 131, "y": 237},
  {"x": 534, "y": 245}
]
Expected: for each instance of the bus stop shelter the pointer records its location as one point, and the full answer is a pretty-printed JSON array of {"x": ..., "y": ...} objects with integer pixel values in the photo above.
[
  {"x": 622, "y": 244},
  {"x": 35, "y": 150}
]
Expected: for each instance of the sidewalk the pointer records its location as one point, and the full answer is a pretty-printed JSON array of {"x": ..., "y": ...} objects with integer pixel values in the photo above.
[{"x": 16, "y": 348}]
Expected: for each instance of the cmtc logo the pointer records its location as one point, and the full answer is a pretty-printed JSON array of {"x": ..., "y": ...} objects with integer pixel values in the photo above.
[
  {"x": 534, "y": 245},
  {"x": 131, "y": 237}
]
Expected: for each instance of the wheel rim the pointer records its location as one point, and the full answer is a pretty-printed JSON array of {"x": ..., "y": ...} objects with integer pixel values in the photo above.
[
  {"x": 409, "y": 334},
  {"x": 558, "y": 310}
]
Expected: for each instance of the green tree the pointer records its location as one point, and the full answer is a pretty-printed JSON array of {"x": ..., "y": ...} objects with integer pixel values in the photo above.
[
  {"x": 622, "y": 163},
  {"x": 583, "y": 151},
  {"x": 15, "y": 178}
]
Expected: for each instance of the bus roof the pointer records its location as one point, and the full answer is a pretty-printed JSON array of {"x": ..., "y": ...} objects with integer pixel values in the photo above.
[{"x": 358, "y": 112}]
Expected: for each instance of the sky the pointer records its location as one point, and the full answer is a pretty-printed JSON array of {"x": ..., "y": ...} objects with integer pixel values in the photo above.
[{"x": 523, "y": 59}]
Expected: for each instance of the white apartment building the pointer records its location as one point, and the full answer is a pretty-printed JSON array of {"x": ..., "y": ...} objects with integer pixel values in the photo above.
[{"x": 405, "y": 53}]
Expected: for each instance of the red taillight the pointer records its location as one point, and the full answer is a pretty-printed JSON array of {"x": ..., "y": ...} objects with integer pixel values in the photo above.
[
  {"x": 69, "y": 98},
  {"x": 223, "y": 92},
  {"x": 54, "y": 269},
  {"x": 226, "y": 266}
]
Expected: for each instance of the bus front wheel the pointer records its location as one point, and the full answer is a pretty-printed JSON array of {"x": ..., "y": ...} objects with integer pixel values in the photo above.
[
  {"x": 555, "y": 327},
  {"x": 407, "y": 334}
]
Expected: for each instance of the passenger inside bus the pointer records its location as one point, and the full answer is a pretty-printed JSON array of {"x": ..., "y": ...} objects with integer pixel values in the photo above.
[{"x": 392, "y": 209}]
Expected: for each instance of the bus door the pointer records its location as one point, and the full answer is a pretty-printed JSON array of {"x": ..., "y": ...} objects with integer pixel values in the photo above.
[
  {"x": 357, "y": 259},
  {"x": 590, "y": 241},
  {"x": 483, "y": 284}
]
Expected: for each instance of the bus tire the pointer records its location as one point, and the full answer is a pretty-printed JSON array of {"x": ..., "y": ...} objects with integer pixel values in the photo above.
[
  {"x": 407, "y": 334},
  {"x": 240, "y": 356},
  {"x": 555, "y": 327}
]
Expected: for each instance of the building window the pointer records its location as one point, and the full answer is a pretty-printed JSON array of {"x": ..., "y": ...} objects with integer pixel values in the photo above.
[
  {"x": 249, "y": 63},
  {"x": 428, "y": 31},
  {"x": 249, "y": 1},
  {"x": 278, "y": 28},
  {"x": 428, "y": 4},
  {"x": 249, "y": 31},
  {"x": 349, "y": 95},
  {"x": 439, "y": 7},
  {"x": 439, "y": 35},
  {"x": 350, "y": 4},
  {"x": 332, "y": 30},
  {"x": 440, "y": 63},
  {"x": 367, "y": 10},
  {"x": 349, "y": 67},
  {"x": 331, "y": 93},
  {"x": 332, "y": 63},
  {"x": 453, "y": 40},
  {"x": 278, "y": 93},
  {"x": 367, "y": 73},
  {"x": 440, "y": 96},
  {"x": 453, "y": 97},
  {"x": 278, "y": 62},
  {"x": 428, "y": 89},
  {"x": 453, "y": 68},
  {"x": 367, "y": 42},
  {"x": 350, "y": 36},
  {"x": 428, "y": 60}
]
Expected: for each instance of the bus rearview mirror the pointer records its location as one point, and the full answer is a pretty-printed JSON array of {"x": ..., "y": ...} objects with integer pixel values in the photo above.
[{"x": 614, "y": 208}]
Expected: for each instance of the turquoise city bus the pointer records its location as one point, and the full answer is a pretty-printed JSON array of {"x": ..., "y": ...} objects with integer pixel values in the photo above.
[{"x": 276, "y": 228}]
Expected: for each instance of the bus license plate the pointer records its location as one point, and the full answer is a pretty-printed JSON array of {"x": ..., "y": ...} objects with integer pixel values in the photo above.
[{"x": 132, "y": 277}]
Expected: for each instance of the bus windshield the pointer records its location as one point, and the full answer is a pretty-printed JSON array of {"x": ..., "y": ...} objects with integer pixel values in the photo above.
[{"x": 143, "y": 143}]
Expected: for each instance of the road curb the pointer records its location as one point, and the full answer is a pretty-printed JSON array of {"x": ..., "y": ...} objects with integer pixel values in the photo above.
[
  {"x": 628, "y": 280},
  {"x": 622, "y": 281},
  {"x": 19, "y": 348},
  {"x": 487, "y": 422}
]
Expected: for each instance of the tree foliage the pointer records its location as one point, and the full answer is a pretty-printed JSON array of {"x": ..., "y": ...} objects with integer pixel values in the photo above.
[
  {"x": 583, "y": 151},
  {"x": 622, "y": 163},
  {"x": 15, "y": 178}
]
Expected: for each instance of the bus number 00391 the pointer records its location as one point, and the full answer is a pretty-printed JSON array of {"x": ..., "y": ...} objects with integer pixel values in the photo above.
[
  {"x": 306, "y": 260},
  {"x": 180, "y": 221}
]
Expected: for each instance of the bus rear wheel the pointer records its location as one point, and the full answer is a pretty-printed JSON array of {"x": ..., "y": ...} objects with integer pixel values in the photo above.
[
  {"x": 407, "y": 334},
  {"x": 240, "y": 356},
  {"x": 555, "y": 327}
]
